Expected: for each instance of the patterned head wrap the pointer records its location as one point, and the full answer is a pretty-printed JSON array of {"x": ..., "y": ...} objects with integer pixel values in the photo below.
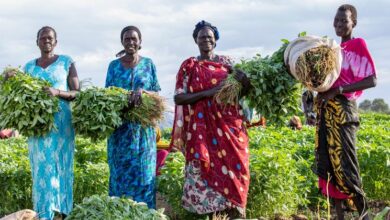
[{"x": 202, "y": 24}]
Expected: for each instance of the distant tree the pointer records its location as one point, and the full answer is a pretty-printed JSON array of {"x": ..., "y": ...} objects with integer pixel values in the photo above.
[
  {"x": 379, "y": 105},
  {"x": 365, "y": 105}
]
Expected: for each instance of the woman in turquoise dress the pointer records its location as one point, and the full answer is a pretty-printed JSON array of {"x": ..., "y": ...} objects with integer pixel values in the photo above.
[
  {"x": 51, "y": 156},
  {"x": 132, "y": 148}
]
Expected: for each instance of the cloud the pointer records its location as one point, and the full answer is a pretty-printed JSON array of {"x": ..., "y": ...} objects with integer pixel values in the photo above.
[{"x": 89, "y": 30}]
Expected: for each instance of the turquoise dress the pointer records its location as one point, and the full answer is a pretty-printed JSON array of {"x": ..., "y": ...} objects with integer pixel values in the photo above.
[
  {"x": 51, "y": 156},
  {"x": 131, "y": 148}
]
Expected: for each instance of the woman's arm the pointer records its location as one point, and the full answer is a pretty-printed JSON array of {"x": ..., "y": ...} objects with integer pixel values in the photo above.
[
  {"x": 366, "y": 83},
  {"x": 191, "y": 98},
  {"x": 74, "y": 86}
]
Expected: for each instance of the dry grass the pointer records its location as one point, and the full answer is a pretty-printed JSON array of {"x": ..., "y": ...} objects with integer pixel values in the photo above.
[
  {"x": 314, "y": 65},
  {"x": 150, "y": 112},
  {"x": 230, "y": 91}
]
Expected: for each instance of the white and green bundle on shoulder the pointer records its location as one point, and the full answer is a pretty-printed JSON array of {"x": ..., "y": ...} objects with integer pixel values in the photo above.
[
  {"x": 104, "y": 207},
  {"x": 96, "y": 112},
  {"x": 24, "y": 105}
]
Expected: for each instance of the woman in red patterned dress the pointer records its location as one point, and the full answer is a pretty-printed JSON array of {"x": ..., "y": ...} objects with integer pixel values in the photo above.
[{"x": 212, "y": 136}]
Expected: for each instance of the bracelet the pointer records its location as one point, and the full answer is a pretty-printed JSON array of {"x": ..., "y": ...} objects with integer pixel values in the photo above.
[
  {"x": 59, "y": 92},
  {"x": 341, "y": 90}
]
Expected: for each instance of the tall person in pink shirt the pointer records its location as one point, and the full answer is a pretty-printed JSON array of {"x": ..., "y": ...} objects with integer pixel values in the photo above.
[{"x": 338, "y": 119}]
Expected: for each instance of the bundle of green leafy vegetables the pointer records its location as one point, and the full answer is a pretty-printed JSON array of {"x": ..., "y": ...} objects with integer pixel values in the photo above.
[
  {"x": 24, "y": 105},
  {"x": 97, "y": 112},
  {"x": 104, "y": 207},
  {"x": 275, "y": 94}
]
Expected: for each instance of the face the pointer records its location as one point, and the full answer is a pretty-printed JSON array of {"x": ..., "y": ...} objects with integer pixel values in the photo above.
[
  {"x": 131, "y": 42},
  {"x": 46, "y": 40},
  {"x": 205, "y": 40},
  {"x": 343, "y": 24}
]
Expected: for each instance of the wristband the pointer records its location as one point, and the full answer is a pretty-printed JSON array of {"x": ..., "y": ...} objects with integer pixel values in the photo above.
[{"x": 341, "y": 90}]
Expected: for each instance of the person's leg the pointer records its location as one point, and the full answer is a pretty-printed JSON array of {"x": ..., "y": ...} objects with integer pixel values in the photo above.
[
  {"x": 362, "y": 206},
  {"x": 339, "y": 209},
  {"x": 161, "y": 156}
]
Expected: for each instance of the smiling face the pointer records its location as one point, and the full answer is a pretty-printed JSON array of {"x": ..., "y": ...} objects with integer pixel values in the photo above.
[
  {"x": 131, "y": 42},
  {"x": 206, "y": 40},
  {"x": 47, "y": 41},
  {"x": 343, "y": 24}
]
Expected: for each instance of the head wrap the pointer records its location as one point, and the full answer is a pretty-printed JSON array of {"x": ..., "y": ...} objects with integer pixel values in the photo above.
[{"x": 202, "y": 24}]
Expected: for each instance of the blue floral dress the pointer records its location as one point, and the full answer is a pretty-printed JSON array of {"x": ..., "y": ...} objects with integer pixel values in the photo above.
[
  {"x": 51, "y": 156},
  {"x": 132, "y": 148}
]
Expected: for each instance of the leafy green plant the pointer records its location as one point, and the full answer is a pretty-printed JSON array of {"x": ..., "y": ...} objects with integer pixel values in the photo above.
[
  {"x": 104, "y": 207},
  {"x": 97, "y": 111},
  {"x": 280, "y": 164},
  {"x": 282, "y": 180},
  {"x": 275, "y": 93},
  {"x": 24, "y": 105},
  {"x": 90, "y": 172}
]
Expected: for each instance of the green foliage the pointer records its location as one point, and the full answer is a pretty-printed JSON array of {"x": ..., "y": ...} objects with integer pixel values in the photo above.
[
  {"x": 170, "y": 182},
  {"x": 15, "y": 176},
  {"x": 24, "y": 105},
  {"x": 374, "y": 155},
  {"x": 377, "y": 105},
  {"x": 91, "y": 173},
  {"x": 97, "y": 111},
  {"x": 105, "y": 207},
  {"x": 365, "y": 105},
  {"x": 91, "y": 169},
  {"x": 275, "y": 94},
  {"x": 280, "y": 163}
]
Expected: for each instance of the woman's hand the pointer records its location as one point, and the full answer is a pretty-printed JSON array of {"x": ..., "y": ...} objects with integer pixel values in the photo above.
[
  {"x": 135, "y": 98},
  {"x": 9, "y": 74},
  {"x": 51, "y": 91},
  {"x": 241, "y": 77},
  {"x": 323, "y": 97}
]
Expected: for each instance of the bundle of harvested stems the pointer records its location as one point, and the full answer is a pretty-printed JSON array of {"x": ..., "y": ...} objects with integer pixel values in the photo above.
[
  {"x": 97, "y": 112},
  {"x": 149, "y": 112},
  {"x": 229, "y": 92},
  {"x": 315, "y": 65},
  {"x": 24, "y": 105}
]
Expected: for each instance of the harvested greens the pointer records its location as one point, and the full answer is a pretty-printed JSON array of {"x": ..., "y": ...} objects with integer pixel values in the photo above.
[
  {"x": 275, "y": 93},
  {"x": 97, "y": 112},
  {"x": 24, "y": 105},
  {"x": 104, "y": 207}
]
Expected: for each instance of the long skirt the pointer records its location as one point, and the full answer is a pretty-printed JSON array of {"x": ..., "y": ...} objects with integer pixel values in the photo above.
[{"x": 336, "y": 159}]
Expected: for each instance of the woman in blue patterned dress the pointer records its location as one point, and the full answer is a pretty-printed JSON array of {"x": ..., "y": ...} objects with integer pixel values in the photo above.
[
  {"x": 51, "y": 156},
  {"x": 132, "y": 148}
]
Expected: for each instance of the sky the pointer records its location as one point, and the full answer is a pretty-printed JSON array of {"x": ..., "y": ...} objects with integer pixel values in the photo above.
[{"x": 89, "y": 31}]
